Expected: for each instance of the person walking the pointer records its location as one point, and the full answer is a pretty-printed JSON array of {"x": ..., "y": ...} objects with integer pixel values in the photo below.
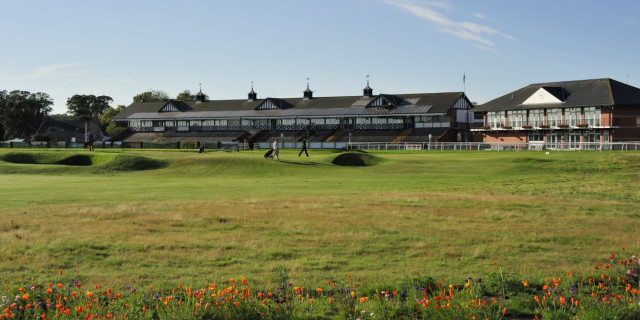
[
  {"x": 304, "y": 148},
  {"x": 276, "y": 150},
  {"x": 89, "y": 139}
]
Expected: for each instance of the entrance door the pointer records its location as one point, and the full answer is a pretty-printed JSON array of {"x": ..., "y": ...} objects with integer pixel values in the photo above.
[
  {"x": 574, "y": 140},
  {"x": 553, "y": 140}
]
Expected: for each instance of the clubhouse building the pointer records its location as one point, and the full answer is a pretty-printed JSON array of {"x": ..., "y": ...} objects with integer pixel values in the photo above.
[
  {"x": 367, "y": 117},
  {"x": 563, "y": 114}
]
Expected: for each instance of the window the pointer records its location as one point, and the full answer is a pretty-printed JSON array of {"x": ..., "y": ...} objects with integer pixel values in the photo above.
[
  {"x": 572, "y": 116},
  {"x": 536, "y": 137},
  {"x": 332, "y": 121},
  {"x": 363, "y": 120},
  {"x": 592, "y": 116},
  {"x": 516, "y": 118},
  {"x": 379, "y": 120},
  {"x": 495, "y": 119},
  {"x": 554, "y": 117},
  {"x": 183, "y": 123},
  {"x": 536, "y": 117},
  {"x": 395, "y": 120},
  {"x": 286, "y": 122}
]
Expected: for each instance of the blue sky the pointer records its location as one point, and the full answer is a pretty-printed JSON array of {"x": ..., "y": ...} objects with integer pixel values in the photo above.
[{"x": 122, "y": 48}]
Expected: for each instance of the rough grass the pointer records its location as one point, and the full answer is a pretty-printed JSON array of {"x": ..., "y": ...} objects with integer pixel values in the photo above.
[{"x": 416, "y": 214}]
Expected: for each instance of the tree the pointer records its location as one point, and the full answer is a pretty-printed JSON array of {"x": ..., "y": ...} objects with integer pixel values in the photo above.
[
  {"x": 151, "y": 96},
  {"x": 186, "y": 96},
  {"x": 107, "y": 123},
  {"x": 22, "y": 112},
  {"x": 85, "y": 107}
]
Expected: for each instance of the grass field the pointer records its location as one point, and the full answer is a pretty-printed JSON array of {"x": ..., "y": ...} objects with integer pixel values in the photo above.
[{"x": 198, "y": 217}]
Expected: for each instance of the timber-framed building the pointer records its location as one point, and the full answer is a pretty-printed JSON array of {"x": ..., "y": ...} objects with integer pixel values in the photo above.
[{"x": 366, "y": 117}]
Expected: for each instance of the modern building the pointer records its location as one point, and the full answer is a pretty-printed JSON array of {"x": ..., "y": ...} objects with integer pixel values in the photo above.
[
  {"x": 564, "y": 114},
  {"x": 366, "y": 117}
]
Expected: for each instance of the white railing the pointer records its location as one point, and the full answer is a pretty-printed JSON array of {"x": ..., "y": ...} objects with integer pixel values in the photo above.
[{"x": 497, "y": 146}]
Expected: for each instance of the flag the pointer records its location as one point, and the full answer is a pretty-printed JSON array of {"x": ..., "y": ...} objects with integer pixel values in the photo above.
[{"x": 463, "y": 77}]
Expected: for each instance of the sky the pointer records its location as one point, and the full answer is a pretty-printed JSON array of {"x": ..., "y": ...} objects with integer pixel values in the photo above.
[{"x": 488, "y": 48}]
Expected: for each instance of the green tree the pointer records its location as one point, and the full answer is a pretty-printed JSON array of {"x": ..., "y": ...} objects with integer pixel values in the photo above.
[
  {"x": 107, "y": 123},
  {"x": 186, "y": 96},
  {"x": 22, "y": 112},
  {"x": 85, "y": 107},
  {"x": 151, "y": 96}
]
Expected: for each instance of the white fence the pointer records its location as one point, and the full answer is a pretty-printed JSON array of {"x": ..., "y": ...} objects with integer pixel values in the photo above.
[{"x": 498, "y": 146}]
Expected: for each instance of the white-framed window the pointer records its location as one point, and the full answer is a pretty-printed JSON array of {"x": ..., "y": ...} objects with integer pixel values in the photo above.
[
  {"x": 183, "y": 123},
  {"x": 592, "y": 116},
  {"x": 495, "y": 119},
  {"x": 287, "y": 122},
  {"x": 572, "y": 116},
  {"x": 554, "y": 116},
  {"x": 395, "y": 120},
  {"x": 536, "y": 117},
  {"x": 363, "y": 120},
  {"x": 332, "y": 120},
  {"x": 379, "y": 120},
  {"x": 516, "y": 118},
  {"x": 195, "y": 123}
]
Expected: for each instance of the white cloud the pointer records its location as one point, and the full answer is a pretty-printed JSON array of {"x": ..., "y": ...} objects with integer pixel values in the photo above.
[
  {"x": 627, "y": 20},
  {"x": 479, "y": 15},
  {"x": 477, "y": 33},
  {"x": 62, "y": 70}
]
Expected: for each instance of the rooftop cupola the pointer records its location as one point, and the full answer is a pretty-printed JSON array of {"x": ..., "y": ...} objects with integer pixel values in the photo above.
[
  {"x": 253, "y": 96},
  {"x": 201, "y": 97},
  {"x": 367, "y": 92},
  {"x": 308, "y": 94}
]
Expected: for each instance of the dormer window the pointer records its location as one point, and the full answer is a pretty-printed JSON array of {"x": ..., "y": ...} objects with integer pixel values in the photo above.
[
  {"x": 170, "y": 107},
  {"x": 269, "y": 104},
  {"x": 383, "y": 101}
]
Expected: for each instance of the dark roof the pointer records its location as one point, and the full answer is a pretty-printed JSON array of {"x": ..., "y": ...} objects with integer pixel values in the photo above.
[
  {"x": 580, "y": 93},
  {"x": 64, "y": 130},
  {"x": 419, "y": 103}
]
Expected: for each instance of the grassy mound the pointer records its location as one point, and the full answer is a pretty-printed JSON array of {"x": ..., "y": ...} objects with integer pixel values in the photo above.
[
  {"x": 130, "y": 162},
  {"x": 353, "y": 159},
  {"x": 102, "y": 161}
]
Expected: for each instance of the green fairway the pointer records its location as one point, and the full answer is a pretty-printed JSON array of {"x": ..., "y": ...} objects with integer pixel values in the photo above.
[{"x": 194, "y": 218}]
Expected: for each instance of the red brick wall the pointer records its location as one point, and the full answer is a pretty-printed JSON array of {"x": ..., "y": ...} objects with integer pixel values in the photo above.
[
  {"x": 625, "y": 117},
  {"x": 506, "y": 136}
]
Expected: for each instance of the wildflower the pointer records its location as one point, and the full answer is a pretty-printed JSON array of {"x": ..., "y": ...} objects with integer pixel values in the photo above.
[{"x": 526, "y": 283}]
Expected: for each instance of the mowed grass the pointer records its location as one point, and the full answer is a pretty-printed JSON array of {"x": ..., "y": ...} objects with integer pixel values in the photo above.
[{"x": 199, "y": 217}]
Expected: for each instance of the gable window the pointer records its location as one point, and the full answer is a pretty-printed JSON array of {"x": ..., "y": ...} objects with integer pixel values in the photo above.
[
  {"x": 170, "y": 107},
  {"x": 267, "y": 105}
]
